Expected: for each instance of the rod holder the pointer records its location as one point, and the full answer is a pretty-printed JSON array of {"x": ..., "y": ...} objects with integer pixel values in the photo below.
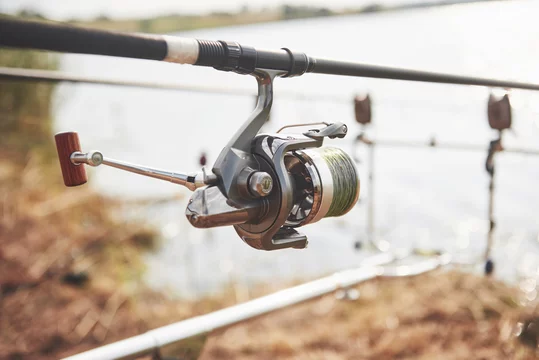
[{"x": 68, "y": 143}]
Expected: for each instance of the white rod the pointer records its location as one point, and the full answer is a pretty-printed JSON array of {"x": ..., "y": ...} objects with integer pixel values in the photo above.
[{"x": 152, "y": 340}]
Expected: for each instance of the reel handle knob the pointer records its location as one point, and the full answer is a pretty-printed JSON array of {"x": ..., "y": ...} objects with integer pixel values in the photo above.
[{"x": 67, "y": 143}]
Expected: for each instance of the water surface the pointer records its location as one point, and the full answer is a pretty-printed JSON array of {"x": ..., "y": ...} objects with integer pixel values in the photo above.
[{"x": 433, "y": 198}]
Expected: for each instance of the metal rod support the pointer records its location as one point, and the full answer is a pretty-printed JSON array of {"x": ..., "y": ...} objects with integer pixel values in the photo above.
[
  {"x": 495, "y": 147},
  {"x": 52, "y": 76},
  {"x": 371, "y": 231},
  {"x": 490, "y": 233},
  {"x": 449, "y": 146}
]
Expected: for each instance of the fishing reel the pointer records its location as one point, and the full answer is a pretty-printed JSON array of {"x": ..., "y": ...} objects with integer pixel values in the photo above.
[{"x": 265, "y": 185}]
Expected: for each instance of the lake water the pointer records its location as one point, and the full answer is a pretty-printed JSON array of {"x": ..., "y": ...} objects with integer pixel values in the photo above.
[{"x": 424, "y": 197}]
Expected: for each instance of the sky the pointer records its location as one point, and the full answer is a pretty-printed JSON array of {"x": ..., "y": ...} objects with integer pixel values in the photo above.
[{"x": 68, "y": 9}]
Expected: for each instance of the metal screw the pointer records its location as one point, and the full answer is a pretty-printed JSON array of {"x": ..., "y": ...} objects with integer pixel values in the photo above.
[
  {"x": 95, "y": 158},
  {"x": 261, "y": 183}
]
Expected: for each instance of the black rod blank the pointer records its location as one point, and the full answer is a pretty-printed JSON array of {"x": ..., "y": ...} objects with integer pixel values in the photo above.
[
  {"x": 333, "y": 67},
  {"x": 222, "y": 55},
  {"x": 70, "y": 39}
]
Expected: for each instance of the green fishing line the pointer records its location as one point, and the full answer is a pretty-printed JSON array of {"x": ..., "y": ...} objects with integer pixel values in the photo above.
[{"x": 345, "y": 180}]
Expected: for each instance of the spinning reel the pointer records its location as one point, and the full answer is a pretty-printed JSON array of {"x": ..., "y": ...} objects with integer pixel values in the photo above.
[{"x": 265, "y": 185}]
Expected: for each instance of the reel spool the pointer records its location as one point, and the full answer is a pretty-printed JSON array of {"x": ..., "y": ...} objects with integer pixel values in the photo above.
[
  {"x": 326, "y": 184},
  {"x": 265, "y": 185}
]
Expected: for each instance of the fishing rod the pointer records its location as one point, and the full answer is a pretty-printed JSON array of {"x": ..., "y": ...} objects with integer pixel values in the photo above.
[
  {"x": 264, "y": 185},
  {"x": 222, "y": 55}
]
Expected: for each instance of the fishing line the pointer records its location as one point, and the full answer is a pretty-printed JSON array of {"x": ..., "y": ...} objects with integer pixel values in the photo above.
[{"x": 326, "y": 184}]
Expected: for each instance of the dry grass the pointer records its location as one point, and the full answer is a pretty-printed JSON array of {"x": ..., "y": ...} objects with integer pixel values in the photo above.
[
  {"x": 442, "y": 315},
  {"x": 25, "y": 108},
  {"x": 70, "y": 267},
  {"x": 51, "y": 240}
]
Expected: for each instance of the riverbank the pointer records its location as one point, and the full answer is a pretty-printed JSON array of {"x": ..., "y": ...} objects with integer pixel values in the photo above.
[
  {"x": 440, "y": 315},
  {"x": 175, "y": 22},
  {"x": 179, "y": 22},
  {"x": 71, "y": 266}
]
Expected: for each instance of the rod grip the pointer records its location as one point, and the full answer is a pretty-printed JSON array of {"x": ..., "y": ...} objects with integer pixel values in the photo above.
[
  {"x": 26, "y": 34},
  {"x": 67, "y": 143}
]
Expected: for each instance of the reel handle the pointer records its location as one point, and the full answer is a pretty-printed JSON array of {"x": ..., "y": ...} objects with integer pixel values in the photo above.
[
  {"x": 67, "y": 143},
  {"x": 72, "y": 160}
]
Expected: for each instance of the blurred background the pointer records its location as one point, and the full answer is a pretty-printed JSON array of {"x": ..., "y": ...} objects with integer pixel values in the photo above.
[{"x": 435, "y": 199}]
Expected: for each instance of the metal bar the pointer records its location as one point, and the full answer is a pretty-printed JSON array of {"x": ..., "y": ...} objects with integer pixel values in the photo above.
[
  {"x": 451, "y": 146},
  {"x": 223, "y": 55},
  {"x": 490, "y": 166},
  {"x": 490, "y": 233},
  {"x": 52, "y": 76},
  {"x": 153, "y": 340},
  {"x": 370, "y": 209}
]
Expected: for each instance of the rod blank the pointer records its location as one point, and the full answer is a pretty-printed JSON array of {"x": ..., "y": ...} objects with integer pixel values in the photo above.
[
  {"x": 70, "y": 39},
  {"x": 333, "y": 67},
  {"x": 219, "y": 54}
]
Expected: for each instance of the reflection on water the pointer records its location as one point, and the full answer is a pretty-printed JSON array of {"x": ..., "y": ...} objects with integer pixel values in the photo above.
[{"x": 436, "y": 198}]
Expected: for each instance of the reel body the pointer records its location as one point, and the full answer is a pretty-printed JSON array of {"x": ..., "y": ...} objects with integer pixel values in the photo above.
[
  {"x": 265, "y": 185},
  {"x": 307, "y": 183},
  {"x": 310, "y": 183}
]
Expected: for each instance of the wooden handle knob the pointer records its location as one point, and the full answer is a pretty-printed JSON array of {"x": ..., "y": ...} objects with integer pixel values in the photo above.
[{"x": 67, "y": 143}]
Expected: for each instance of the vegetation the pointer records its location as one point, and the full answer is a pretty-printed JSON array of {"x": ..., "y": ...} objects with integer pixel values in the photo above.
[
  {"x": 25, "y": 108},
  {"x": 70, "y": 262},
  {"x": 440, "y": 315},
  {"x": 184, "y": 22},
  {"x": 178, "y": 22}
]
